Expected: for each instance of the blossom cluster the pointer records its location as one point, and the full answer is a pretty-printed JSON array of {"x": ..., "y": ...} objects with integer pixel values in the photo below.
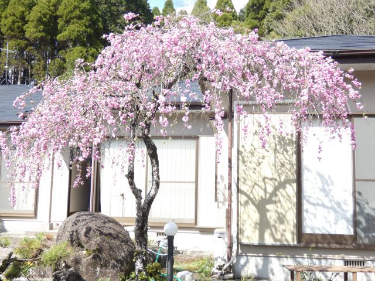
[{"x": 134, "y": 83}]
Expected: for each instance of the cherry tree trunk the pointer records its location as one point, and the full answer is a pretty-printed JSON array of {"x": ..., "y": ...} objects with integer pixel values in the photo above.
[{"x": 143, "y": 207}]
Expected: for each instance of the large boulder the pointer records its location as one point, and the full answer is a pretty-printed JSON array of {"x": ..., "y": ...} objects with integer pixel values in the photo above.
[{"x": 102, "y": 247}]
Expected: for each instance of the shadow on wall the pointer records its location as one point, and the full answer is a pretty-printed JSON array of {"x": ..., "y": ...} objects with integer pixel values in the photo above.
[
  {"x": 325, "y": 205},
  {"x": 267, "y": 187},
  {"x": 365, "y": 214},
  {"x": 267, "y": 195},
  {"x": 2, "y": 227}
]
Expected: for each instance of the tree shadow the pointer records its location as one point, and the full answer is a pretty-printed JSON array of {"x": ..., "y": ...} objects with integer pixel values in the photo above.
[
  {"x": 267, "y": 189},
  {"x": 365, "y": 206}
]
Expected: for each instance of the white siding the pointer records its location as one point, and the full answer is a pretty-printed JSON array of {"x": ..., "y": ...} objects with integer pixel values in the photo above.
[
  {"x": 327, "y": 184},
  {"x": 60, "y": 187},
  {"x": 211, "y": 212}
]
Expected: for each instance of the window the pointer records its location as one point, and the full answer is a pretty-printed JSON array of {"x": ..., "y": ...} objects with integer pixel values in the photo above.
[
  {"x": 26, "y": 196},
  {"x": 177, "y": 194}
]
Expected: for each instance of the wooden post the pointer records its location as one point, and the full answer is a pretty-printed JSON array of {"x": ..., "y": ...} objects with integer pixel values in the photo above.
[
  {"x": 354, "y": 276},
  {"x": 345, "y": 276},
  {"x": 298, "y": 276},
  {"x": 292, "y": 276}
]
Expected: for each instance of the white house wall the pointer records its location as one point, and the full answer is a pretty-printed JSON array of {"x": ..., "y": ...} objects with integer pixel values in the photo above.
[
  {"x": 267, "y": 182},
  {"x": 60, "y": 192},
  {"x": 263, "y": 256},
  {"x": 266, "y": 263},
  {"x": 367, "y": 91},
  {"x": 211, "y": 210}
]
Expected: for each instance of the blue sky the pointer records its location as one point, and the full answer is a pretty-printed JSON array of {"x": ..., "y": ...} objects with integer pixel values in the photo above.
[{"x": 188, "y": 4}]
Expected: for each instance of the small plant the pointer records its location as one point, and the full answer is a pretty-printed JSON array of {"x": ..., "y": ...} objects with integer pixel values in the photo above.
[
  {"x": 154, "y": 270},
  {"x": 17, "y": 269},
  {"x": 205, "y": 266},
  {"x": 55, "y": 254},
  {"x": 30, "y": 248},
  {"x": 28, "y": 253},
  {"x": 4, "y": 242}
]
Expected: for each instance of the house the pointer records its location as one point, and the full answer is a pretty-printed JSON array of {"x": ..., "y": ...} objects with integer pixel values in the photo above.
[
  {"x": 285, "y": 205},
  {"x": 289, "y": 207}
]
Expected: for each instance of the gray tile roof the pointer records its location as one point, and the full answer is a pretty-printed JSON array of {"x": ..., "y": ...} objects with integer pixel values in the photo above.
[
  {"x": 334, "y": 43},
  {"x": 8, "y": 93}
]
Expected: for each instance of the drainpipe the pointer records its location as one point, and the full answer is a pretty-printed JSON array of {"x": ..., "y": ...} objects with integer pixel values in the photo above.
[
  {"x": 93, "y": 180},
  {"x": 229, "y": 210}
]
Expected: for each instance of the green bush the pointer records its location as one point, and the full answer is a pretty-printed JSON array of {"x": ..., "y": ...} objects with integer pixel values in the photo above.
[
  {"x": 205, "y": 266},
  {"x": 4, "y": 242},
  {"x": 30, "y": 248},
  {"x": 17, "y": 269},
  {"x": 55, "y": 254}
]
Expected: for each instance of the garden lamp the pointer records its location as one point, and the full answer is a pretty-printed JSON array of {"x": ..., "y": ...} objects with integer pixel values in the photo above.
[{"x": 170, "y": 229}]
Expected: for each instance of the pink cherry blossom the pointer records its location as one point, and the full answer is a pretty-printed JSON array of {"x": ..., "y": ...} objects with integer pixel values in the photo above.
[{"x": 134, "y": 83}]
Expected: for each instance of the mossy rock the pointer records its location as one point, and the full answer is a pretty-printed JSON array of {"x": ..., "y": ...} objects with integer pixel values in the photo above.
[{"x": 102, "y": 247}]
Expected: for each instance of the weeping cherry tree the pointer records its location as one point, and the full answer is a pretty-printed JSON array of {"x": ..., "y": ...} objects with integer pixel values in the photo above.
[{"x": 131, "y": 90}]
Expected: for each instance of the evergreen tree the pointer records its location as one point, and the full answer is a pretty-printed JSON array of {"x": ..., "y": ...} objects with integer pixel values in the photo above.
[
  {"x": 241, "y": 15},
  {"x": 228, "y": 13},
  {"x": 168, "y": 8},
  {"x": 259, "y": 13},
  {"x": 42, "y": 31},
  {"x": 156, "y": 11},
  {"x": 182, "y": 13},
  {"x": 201, "y": 11},
  {"x": 112, "y": 13},
  {"x": 80, "y": 30},
  {"x": 3, "y": 6},
  {"x": 13, "y": 22}
]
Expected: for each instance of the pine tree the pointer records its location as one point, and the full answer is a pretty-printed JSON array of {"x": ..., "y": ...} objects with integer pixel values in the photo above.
[
  {"x": 228, "y": 13},
  {"x": 80, "y": 30},
  {"x": 42, "y": 31},
  {"x": 13, "y": 22},
  {"x": 201, "y": 11},
  {"x": 182, "y": 13},
  {"x": 168, "y": 8},
  {"x": 241, "y": 15},
  {"x": 259, "y": 12},
  {"x": 156, "y": 11},
  {"x": 3, "y": 6},
  {"x": 112, "y": 13}
]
